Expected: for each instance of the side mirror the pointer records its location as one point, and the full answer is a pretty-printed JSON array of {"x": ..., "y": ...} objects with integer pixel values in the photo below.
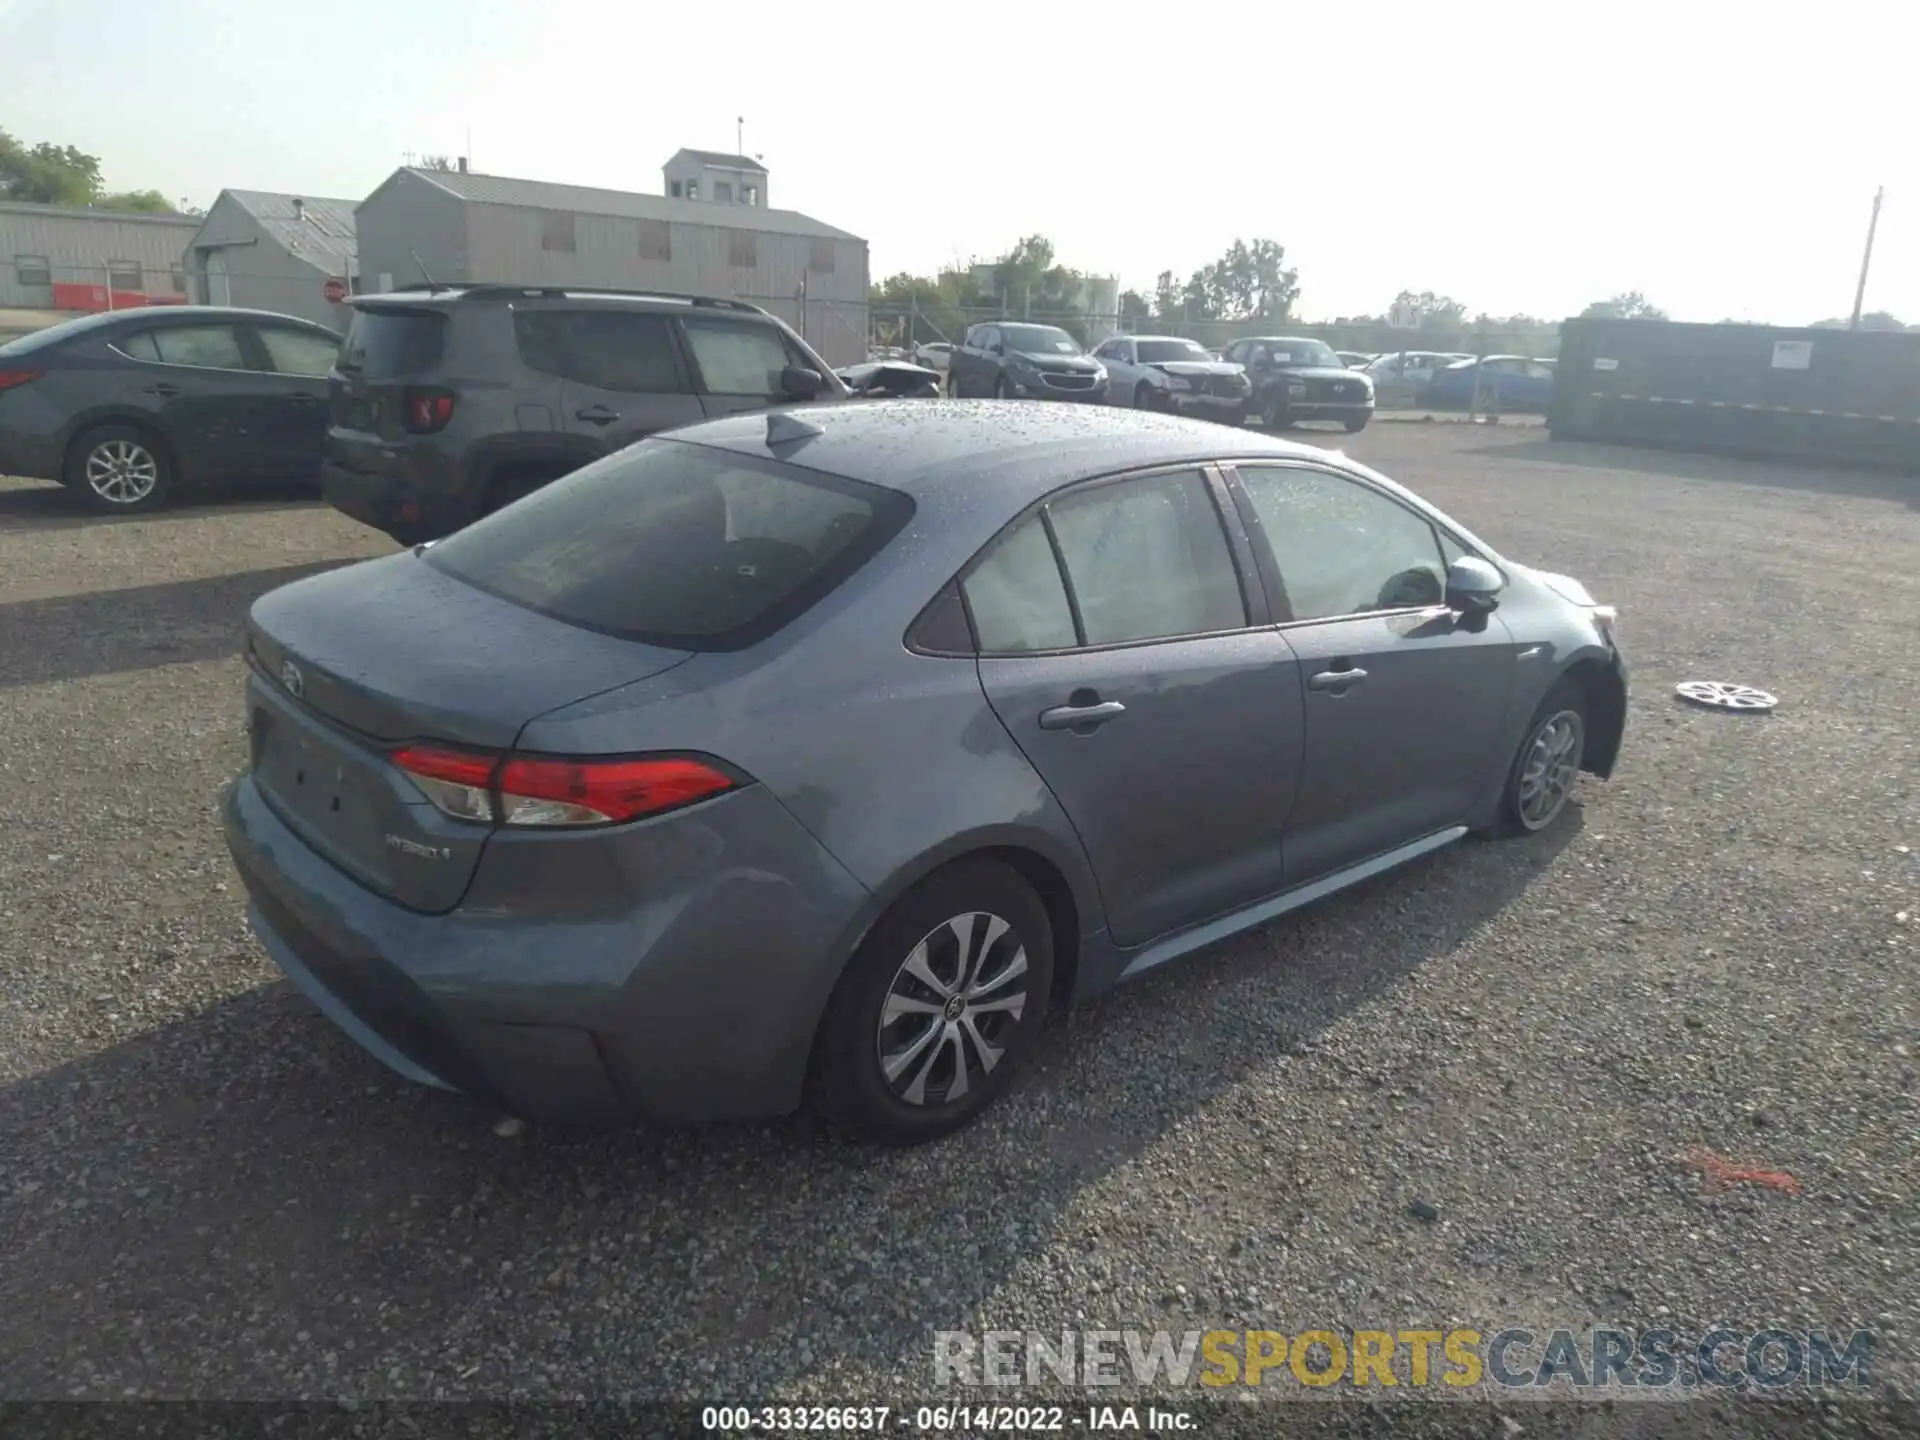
[
  {"x": 801, "y": 383},
  {"x": 1473, "y": 586}
]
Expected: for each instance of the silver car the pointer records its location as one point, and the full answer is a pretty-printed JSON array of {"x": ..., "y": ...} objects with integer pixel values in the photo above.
[
  {"x": 1164, "y": 372},
  {"x": 816, "y": 755},
  {"x": 1400, "y": 376}
]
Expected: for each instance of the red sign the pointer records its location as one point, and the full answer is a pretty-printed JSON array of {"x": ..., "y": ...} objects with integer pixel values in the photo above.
[{"x": 335, "y": 290}]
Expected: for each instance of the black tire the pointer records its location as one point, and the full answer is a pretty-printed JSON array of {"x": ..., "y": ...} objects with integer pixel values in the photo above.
[
  {"x": 506, "y": 489},
  {"x": 851, "y": 1087},
  {"x": 1565, "y": 699},
  {"x": 1355, "y": 426},
  {"x": 119, "y": 459}
]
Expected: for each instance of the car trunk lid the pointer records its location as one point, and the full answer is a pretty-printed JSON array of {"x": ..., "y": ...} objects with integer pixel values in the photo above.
[{"x": 349, "y": 665}]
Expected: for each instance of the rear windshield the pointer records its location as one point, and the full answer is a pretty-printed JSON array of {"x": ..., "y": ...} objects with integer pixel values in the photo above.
[
  {"x": 35, "y": 340},
  {"x": 381, "y": 344},
  {"x": 677, "y": 545}
]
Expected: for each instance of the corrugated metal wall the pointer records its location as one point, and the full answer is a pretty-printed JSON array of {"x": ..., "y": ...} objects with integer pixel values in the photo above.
[
  {"x": 80, "y": 246},
  {"x": 257, "y": 272},
  {"x": 405, "y": 224},
  {"x": 1757, "y": 389},
  {"x": 507, "y": 244}
]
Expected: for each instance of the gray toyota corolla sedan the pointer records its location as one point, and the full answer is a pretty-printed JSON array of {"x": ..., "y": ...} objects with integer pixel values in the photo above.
[{"x": 817, "y": 755}]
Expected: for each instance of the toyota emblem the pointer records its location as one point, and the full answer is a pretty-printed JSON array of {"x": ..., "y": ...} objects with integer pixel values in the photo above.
[{"x": 291, "y": 677}]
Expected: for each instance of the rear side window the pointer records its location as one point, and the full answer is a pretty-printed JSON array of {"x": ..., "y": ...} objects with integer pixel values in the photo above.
[
  {"x": 606, "y": 349},
  {"x": 384, "y": 343},
  {"x": 677, "y": 545},
  {"x": 207, "y": 347}
]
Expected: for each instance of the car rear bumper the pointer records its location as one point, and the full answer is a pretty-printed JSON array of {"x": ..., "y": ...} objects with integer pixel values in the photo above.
[
  {"x": 564, "y": 988},
  {"x": 413, "y": 493}
]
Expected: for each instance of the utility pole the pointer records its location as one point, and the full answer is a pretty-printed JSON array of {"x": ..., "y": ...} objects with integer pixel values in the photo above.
[
  {"x": 1860, "y": 291},
  {"x": 739, "y": 134}
]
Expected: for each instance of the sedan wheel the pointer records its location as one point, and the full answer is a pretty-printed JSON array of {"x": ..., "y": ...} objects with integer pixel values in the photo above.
[
  {"x": 117, "y": 469},
  {"x": 938, "y": 1008},
  {"x": 1544, "y": 771},
  {"x": 956, "y": 997}
]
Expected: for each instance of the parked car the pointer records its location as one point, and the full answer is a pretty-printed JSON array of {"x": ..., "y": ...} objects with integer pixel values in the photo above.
[
  {"x": 935, "y": 355},
  {"x": 1500, "y": 382},
  {"x": 1297, "y": 380},
  {"x": 448, "y": 403},
  {"x": 1353, "y": 359},
  {"x": 816, "y": 755},
  {"x": 1010, "y": 360},
  {"x": 1162, "y": 372},
  {"x": 890, "y": 380},
  {"x": 131, "y": 408},
  {"x": 1400, "y": 377}
]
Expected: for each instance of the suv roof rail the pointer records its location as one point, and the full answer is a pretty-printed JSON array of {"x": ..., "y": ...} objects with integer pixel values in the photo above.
[{"x": 495, "y": 291}]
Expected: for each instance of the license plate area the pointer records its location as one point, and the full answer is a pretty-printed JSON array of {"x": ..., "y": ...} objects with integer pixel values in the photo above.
[{"x": 315, "y": 787}]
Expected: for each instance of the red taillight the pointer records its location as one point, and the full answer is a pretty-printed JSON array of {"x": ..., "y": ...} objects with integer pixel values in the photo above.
[
  {"x": 426, "y": 411},
  {"x": 518, "y": 790},
  {"x": 599, "y": 792},
  {"x": 457, "y": 781},
  {"x": 9, "y": 379}
]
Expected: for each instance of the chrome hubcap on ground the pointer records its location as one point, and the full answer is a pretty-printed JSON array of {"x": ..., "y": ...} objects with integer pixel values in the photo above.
[
  {"x": 953, "y": 1005},
  {"x": 122, "y": 472},
  {"x": 1546, "y": 775}
]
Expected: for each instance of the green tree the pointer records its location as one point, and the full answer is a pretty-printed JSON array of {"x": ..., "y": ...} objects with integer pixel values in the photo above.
[
  {"x": 1136, "y": 310},
  {"x": 139, "y": 202},
  {"x": 47, "y": 174},
  {"x": 1431, "y": 311},
  {"x": 1628, "y": 305}
]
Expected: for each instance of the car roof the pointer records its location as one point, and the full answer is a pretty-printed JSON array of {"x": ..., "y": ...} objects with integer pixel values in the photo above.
[
  {"x": 456, "y": 294},
  {"x": 1019, "y": 449},
  {"x": 107, "y": 322}
]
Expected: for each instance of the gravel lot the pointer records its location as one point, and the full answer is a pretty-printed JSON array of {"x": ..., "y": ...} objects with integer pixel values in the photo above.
[{"x": 207, "y": 1192}]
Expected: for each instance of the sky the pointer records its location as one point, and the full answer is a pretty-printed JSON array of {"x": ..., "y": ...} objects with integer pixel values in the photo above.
[{"x": 1522, "y": 158}]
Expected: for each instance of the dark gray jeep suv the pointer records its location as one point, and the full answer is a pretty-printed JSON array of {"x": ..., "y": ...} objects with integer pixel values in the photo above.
[{"x": 450, "y": 402}]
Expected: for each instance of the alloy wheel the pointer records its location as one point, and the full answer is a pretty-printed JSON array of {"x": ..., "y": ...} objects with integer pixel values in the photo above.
[
  {"x": 1547, "y": 773},
  {"x": 122, "y": 472},
  {"x": 951, "y": 1008}
]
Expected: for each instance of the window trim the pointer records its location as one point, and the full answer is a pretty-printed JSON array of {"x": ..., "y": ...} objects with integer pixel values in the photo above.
[
  {"x": 1268, "y": 562},
  {"x": 1253, "y": 598},
  {"x": 43, "y": 264}
]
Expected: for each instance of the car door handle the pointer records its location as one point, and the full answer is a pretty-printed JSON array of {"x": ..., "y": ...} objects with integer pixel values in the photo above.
[
  {"x": 1336, "y": 679},
  {"x": 1072, "y": 717},
  {"x": 597, "y": 415},
  {"x": 165, "y": 392}
]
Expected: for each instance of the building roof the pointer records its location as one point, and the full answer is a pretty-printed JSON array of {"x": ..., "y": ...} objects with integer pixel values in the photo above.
[
  {"x": 715, "y": 157},
  {"x": 587, "y": 200},
  {"x": 323, "y": 232},
  {"x": 89, "y": 212}
]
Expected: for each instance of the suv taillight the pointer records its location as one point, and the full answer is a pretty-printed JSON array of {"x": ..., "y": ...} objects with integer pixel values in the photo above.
[
  {"x": 532, "y": 790},
  {"x": 10, "y": 379},
  {"x": 425, "y": 411}
]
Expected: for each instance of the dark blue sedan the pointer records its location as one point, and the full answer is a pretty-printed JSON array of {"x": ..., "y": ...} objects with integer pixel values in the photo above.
[{"x": 1505, "y": 382}]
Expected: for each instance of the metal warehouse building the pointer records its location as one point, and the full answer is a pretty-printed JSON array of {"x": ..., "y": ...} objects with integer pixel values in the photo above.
[
  {"x": 455, "y": 226},
  {"x": 58, "y": 257},
  {"x": 274, "y": 252}
]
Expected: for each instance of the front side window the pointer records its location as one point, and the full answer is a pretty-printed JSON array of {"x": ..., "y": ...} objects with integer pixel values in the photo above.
[
  {"x": 606, "y": 349},
  {"x": 1148, "y": 559},
  {"x": 298, "y": 352},
  {"x": 677, "y": 545},
  {"x": 210, "y": 347},
  {"x": 1016, "y": 596},
  {"x": 739, "y": 359},
  {"x": 1342, "y": 548}
]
